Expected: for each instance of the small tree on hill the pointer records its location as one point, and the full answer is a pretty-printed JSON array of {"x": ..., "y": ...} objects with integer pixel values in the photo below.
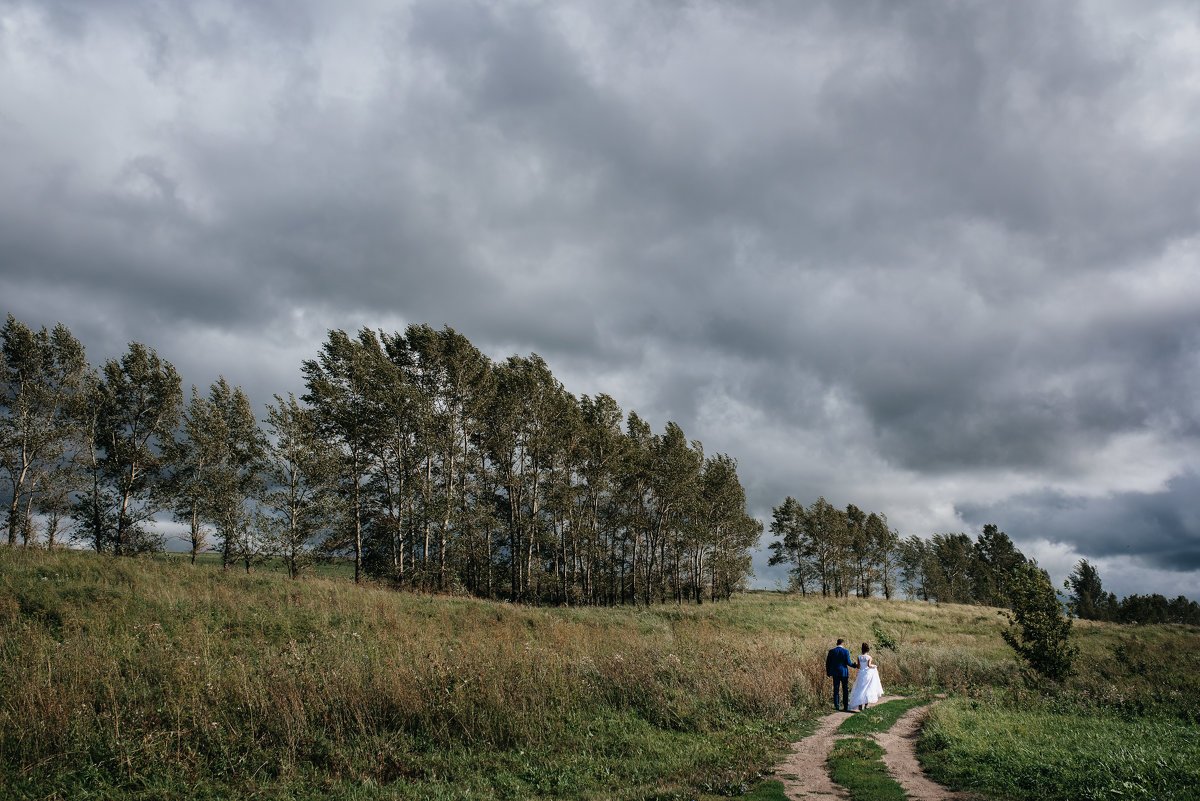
[
  {"x": 1038, "y": 630},
  {"x": 1089, "y": 601}
]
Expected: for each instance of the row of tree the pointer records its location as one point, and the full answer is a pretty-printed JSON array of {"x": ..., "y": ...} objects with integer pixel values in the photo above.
[
  {"x": 834, "y": 551},
  {"x": 430, "y": 465},
  {"x": 842, "y": 552},
  {"x": 1090, "y": 601}
]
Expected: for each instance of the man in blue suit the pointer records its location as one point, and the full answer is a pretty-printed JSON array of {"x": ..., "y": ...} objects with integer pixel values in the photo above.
[{"x": 837, "y": 665}]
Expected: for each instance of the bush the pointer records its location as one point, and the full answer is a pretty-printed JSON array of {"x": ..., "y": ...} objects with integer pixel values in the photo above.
[{"x": 1038, "y": 629}]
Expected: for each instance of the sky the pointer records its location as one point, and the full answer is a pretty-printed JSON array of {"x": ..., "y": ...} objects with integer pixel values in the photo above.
[{"x": 938, "y": 260}]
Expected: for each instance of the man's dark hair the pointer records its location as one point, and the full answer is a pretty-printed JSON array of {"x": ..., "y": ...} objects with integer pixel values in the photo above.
[{"x": 840, "y": 641}]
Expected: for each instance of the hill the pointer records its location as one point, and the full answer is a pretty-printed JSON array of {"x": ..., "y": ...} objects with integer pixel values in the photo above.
[{"x": 150, "y": 678}]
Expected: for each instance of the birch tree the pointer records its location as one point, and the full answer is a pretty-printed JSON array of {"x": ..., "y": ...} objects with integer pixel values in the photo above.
[
  {"x": 301, "y": 474},
  {"x": 137, "y": 408},
  {"x": 42, "y": 375}
]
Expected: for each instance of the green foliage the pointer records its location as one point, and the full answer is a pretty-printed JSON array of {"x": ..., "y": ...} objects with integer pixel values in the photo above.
[
  {"x": 856, "y": 763},
  {"x": 415, "y": 455},
  {"x": 131, "y": 415},
  {"x": 882, "y": 638},
  {"x": 42, "y": 378},
  {"x": 1038, "y": 630},
  {"x": 1050, "y": 751},
  {"x": 1089, "y": 601}
]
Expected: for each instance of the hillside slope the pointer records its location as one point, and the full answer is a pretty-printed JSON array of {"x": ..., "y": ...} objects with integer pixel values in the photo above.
[{"x": 164, "y": 680}]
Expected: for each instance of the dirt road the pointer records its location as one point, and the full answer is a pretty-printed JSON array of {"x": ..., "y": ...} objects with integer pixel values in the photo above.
[{"x": 805, "y": 776}]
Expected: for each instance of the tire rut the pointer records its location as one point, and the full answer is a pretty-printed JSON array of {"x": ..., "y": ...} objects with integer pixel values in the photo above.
[
  {"x": 805, "y": 776},
  {"x": 899, "y": 744}
]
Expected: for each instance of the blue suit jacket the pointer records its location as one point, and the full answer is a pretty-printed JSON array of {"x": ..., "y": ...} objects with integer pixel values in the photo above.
[{"x": 837, "y": 662}]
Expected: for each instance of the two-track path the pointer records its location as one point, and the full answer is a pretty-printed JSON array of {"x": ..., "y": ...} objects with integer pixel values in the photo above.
[{"x": 805, "y": 776}]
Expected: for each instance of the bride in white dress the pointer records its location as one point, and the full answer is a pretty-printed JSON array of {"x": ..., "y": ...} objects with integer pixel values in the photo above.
[{"x": 867, "y": 687}]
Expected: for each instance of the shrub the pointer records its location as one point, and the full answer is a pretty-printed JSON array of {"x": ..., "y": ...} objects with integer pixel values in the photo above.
[{"x": 1038, "y": 630}]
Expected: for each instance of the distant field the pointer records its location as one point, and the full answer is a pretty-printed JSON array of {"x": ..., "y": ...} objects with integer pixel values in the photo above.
[{"x": 164, "y": 680}]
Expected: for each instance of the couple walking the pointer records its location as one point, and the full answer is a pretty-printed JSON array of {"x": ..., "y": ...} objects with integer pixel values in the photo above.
[{"x": 867, "y": 687}]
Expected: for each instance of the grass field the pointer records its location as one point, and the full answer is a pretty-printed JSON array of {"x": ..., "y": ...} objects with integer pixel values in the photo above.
[
  {"x": 335, "y": 568},
  {"x": 164, "y": 680},
  {"x": 1042, "y": 750}
]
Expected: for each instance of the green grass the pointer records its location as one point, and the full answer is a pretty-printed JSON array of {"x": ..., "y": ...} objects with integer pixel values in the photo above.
[
  {"x": 151, "y": 678},
  {"x": 1043, "y": 750},
  {"x": 335, "y": 568},
  {"x": 856, "y": 763},
  {"x": 769, "y": 790},
  {"x": 165, "y": 680},
  {"x": 879, "y": 718}
]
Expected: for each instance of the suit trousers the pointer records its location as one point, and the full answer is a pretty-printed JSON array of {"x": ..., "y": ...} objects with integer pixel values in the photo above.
[{"x": 842, "y": 682}]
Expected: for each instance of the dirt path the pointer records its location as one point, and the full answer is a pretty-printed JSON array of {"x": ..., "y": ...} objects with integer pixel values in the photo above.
[
  {"x": 805, "y": 776},
  {"x": 899, "y": 744},
  {"x": 803, "y": 773}
]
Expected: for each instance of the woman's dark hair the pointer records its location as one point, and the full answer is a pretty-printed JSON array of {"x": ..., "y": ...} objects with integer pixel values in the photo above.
[{"x": 866, "y": 647}]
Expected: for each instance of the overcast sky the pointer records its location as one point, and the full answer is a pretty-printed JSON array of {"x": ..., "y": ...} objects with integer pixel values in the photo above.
[{"x": 939, "y": 260}]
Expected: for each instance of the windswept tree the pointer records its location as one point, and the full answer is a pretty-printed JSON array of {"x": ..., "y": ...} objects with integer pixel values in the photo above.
[
  {"x": 192, "y": 456},
  {"x": 301, "y": 474},
  {"x": 1088, "y": 599},
  {"x": 789, "y": 527},
  {"x": 522, "y": 415},
  {"x": 914, "y": 556},
  {"x": 674, "y": 486},
  {"x": 42, "y": 378},
  {"x": 599, "y": 558},
  {"x": 995, "y": 559},
  {"x": 885, "y": 552},
  {"x": 720, "y": 542},
  {"x": 455, "y": 379},
  {"x": 635, "y": 497},
  {"x": 132, "y": 414},
  {"x": 401, "y": 411},
  {"x": 720, "y": 501},
  {"x": 949, "y": 565},
  {"x": 825, "y": 541},
  {"x": 232, "y": 484},
  {"x": 339, "y": 388},
  {"x": 1038, "y": 630},
  {"x": 860, "y": 553}
]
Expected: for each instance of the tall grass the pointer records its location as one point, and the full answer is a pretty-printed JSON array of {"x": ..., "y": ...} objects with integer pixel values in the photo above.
[
  {"x": 153, "y": 679},
  {"x": 140, "y": 670}
]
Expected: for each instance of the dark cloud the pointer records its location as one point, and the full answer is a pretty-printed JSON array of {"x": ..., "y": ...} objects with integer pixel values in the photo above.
[
  {"x": 926, "y": 258},
  {"x": 1160, "y": 529}
]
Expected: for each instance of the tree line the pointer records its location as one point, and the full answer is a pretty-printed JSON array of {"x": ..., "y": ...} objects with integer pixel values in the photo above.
[
  {"x": 430, "y": 465},
  {"x": 1090, "y": 601},
  {"x": 840, "y": 552}
]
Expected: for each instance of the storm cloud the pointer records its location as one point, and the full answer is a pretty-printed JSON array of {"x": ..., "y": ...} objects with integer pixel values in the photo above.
[{"x": 938, "y": 260}]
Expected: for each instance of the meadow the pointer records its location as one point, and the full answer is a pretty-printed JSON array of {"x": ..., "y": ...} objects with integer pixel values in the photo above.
[{"x": 153, "y": 678}]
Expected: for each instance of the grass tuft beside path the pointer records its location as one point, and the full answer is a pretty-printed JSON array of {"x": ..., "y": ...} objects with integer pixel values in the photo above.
[
  {"x": 856, "y": 763},
  {"x": 879, "y": 718}
]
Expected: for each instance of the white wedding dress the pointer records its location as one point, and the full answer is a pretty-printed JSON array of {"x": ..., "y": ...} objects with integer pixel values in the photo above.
[{"x": 867, "y": 687}]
